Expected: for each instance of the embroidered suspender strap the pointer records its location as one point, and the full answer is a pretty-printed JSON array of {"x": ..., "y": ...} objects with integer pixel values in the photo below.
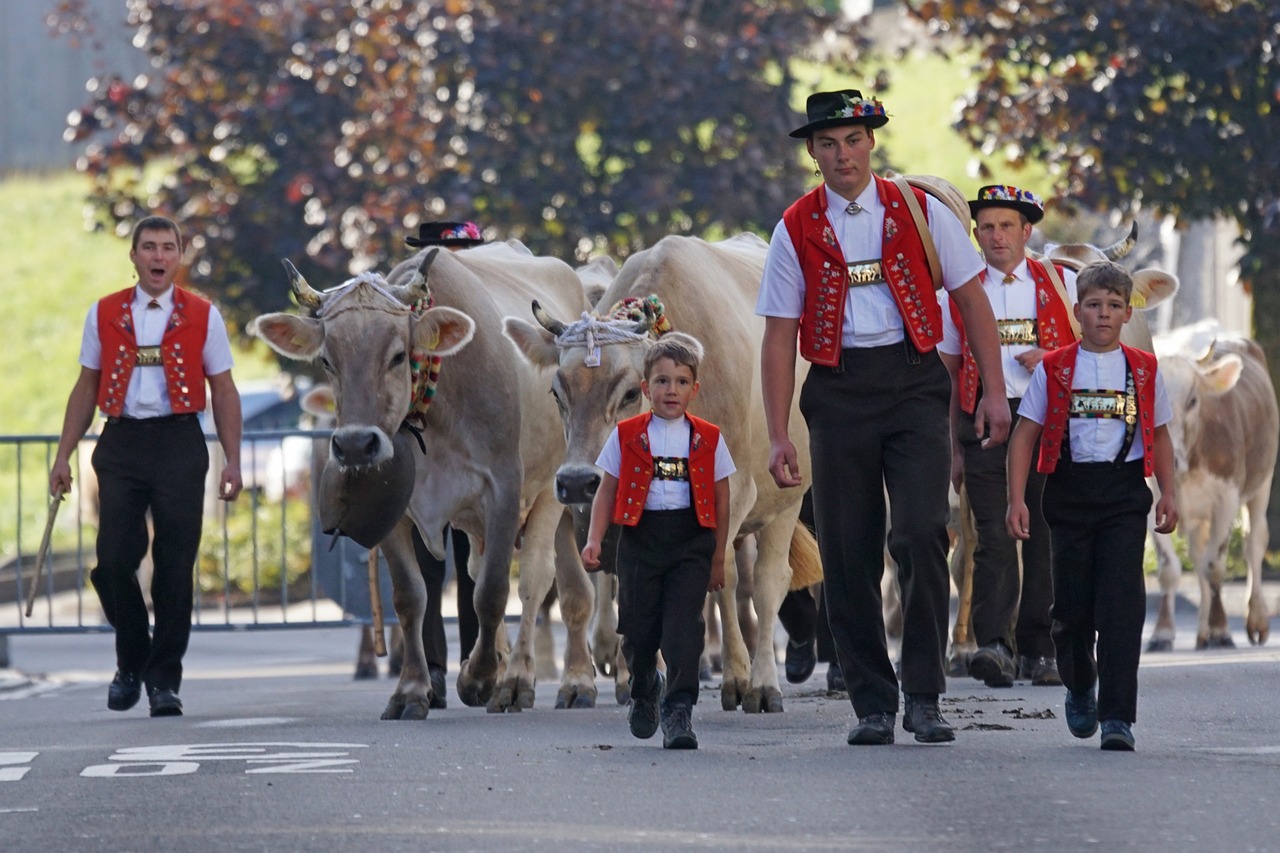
[
  {"x": 922, "y": 226},
  {"x": 1061, "y": 290}
]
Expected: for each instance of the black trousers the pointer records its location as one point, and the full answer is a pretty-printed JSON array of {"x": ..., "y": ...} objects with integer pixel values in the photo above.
[
  {"x": 999, "y": 597},
  {"x": 1097, "y": 514},
  {"x": 156, "y": 466},
  {"x": 801, "y": 613},
  {"x": 664, "y": 566},
  {"x": 881, "y": 422}
]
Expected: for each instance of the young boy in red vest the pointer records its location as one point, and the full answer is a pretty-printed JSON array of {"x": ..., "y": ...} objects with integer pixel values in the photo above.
[
  {"x": 1104, "y": 415},
  {"x": 666, "y": 482}
]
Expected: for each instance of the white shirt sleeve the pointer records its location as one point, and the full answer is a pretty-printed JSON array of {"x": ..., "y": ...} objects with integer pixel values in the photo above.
[
  {"x": 956, "y": 253},
  {"x": 950, "y": 343},
  {"x": 724, "y": 461},
  {"x": 90, "y": 345},
  {"x": 782, "y": 285},
  {"x": 1164, "y": 411},
  {"x": 216, "y": 356},
  {"x": 1035, "y": 400},
  {"x": 610, "y": 458}
]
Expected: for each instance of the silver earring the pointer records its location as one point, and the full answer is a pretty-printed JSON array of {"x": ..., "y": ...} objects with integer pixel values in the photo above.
[{"x": 816, "y": 171}]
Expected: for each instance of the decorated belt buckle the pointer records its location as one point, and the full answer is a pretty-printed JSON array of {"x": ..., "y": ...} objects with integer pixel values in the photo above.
[{"x": 148, "y": 357}]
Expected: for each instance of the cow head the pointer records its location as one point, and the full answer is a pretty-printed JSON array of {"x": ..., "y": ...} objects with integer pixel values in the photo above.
[
  {"x": 1192, "y": 384},
  {"x": 365, "y": 333},
  {"x": 599, "y": 364},
  {"x": 1150, "y": 286}
]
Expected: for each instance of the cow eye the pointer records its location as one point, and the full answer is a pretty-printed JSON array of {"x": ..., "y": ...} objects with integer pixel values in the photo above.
[
  {"x": 631, "y": 396},
  {"x": 324, "y": 362},
  {"x": 396, "y": 360}
]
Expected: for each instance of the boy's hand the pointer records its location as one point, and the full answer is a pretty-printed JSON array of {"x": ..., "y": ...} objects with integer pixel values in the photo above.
[
  {"x": 591, "y": 556},
  {"x": 717, "y": 574},
  {"x": 1166, "y": 514},
  {"x": 1018, "y": 521}
]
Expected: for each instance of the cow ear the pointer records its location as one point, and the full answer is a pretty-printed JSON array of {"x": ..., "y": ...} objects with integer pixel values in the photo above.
[
  {"x": 443, "y": 331},
  {"x": 1155, "y": 285},
  {"x": 290, "y": 335},
  {"x": 1222, "y": 375},
  {"x": 319, "y": 402},
  {"x": 534, "y": 342}
]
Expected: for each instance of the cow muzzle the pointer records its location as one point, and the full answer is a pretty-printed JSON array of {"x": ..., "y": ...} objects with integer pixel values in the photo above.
[
  {"x": 577, "y": 485},
  {"x": 360, "y": 447}
]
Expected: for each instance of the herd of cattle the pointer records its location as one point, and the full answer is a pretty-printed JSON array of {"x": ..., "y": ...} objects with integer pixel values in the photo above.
[{"x": 534, "y": 372}]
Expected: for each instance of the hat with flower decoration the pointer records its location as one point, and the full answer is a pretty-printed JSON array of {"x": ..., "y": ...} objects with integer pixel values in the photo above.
[
  {"x": 1003, "y": 195},
  {"x": 449, "y": 234},
  {"x": 832, "y": 109}
]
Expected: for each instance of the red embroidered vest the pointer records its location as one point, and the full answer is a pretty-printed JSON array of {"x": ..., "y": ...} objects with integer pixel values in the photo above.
[
  {"x": 635, "y": 475},
  {"x": 826, "y": 274},
  {"x": 1059, "y": 366},
  {"x": 1053, "y": 329},
  {"x": 181, "y": 351}
]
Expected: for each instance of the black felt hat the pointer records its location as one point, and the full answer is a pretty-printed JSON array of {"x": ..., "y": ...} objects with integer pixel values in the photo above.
[
  {"x": 1004, "y": 195},
  {"x": 455, "y": 234},
  {"x": 832, "y": 109}
]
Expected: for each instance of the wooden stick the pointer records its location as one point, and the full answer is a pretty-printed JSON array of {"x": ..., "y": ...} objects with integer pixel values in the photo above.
[
  {"x": 43, "y": 553},
  {"x": 375, "y": 602}
]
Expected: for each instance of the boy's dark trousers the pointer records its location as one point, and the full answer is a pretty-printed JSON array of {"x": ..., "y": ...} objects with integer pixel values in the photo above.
[
  {"x": 1097, "y": 514},
  {"x": 664, "y": 566}
]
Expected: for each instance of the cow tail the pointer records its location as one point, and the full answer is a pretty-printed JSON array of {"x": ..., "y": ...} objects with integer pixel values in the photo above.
[{"x": 806, "y": 564}]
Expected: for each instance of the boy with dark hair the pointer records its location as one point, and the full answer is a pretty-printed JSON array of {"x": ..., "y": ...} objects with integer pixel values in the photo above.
[
  {"x": 666, "y": 482},
  {"x": 1104, "y": 415}
]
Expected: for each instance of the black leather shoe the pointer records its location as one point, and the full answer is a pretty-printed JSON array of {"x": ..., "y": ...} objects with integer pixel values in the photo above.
[
  {"x": 835, "y": 678},
  {"x": 800, "y": 660},
  {"x": 873, "y": 730},
  {"x": 438, "y": 690},
  {"x": 165, "y": 702},
  {"x": 124, "y": 692},
  {"x": 1041, "y": 671},
  {"x": 677, "y": 729},
  {"x": 993, "y": 665},
  {"x": 922, "y": 718},
  {"x": 643, "y": 716}
]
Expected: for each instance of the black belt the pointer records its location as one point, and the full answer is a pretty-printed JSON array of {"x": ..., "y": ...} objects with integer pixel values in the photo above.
[{"x": 163, "y": 419}]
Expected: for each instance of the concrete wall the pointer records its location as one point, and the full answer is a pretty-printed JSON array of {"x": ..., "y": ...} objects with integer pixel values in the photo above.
[{"x": 42, "y": 78}]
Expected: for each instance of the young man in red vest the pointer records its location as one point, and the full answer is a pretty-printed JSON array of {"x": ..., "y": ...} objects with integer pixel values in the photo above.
[
  {"x": 666, "y": 483},
  {"x": 1032, "y": 303},
  {"x": 848, "y": 275},
  {"x": 1100, "y": 413},
  {"x": 146, "y": 354}
]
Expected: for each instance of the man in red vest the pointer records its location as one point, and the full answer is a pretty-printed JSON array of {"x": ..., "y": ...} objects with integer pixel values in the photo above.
[
  {"x": 849, "y": 275},
  {"x": 1032, "y": 303},
  {"x": 145, "y": 356}
]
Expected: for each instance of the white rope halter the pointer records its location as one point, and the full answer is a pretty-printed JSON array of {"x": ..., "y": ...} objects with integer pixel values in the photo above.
[{"x": 592, "y": 332}]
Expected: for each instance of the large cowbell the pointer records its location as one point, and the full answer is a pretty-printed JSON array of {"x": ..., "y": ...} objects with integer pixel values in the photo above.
[{"x": 367, "y": 503}]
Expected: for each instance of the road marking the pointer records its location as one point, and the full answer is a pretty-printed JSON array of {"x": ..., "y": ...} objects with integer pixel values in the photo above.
[
  {"x": 184, "y": 759},
  {"x": 246, "y": 722}
]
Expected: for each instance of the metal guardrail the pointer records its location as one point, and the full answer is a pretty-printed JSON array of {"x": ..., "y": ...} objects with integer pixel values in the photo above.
[{"x": 263, "y": 562}]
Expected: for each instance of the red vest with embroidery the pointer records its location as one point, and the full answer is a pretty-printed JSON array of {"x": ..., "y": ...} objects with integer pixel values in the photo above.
[
  {"x": 181, "y": 351},
  {"x": 635, "y": 474},
  {"x": 826, "y": 274},
  {"x": 1053, "y": 330},
  {"x": 1059, "y": 367}
]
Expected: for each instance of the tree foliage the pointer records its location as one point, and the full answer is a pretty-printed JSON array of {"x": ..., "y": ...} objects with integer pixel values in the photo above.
[
  {"x": 324, "y": 132},
  {"x": 1174, "y": 104}
]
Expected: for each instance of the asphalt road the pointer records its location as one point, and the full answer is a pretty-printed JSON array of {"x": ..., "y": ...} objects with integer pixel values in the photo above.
[{"x": 280, "y": 750}]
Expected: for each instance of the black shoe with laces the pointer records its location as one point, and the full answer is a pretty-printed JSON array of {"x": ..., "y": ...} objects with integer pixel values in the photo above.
[
  {"x": 872, "y": 730},
  {"x": 923, "y": 719},
  {"x": 677, "y": 728},
  {"x": 643, "y": 716},
  {"x": 124, "y": 692}
]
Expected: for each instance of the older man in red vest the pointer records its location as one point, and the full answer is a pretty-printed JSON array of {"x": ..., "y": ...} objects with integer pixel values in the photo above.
[
  {"x": 146, "y": 355},
  {"x": 1032, "y": 303},
  {"x": 851, "y": 274}
]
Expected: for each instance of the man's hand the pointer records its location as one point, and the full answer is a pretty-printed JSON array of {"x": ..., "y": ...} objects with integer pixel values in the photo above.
[
  {"x": 230, "y": 485},
  {"x": 784, "y": 465},
  {"x": 1030, "y": 359},
  {"x": 1166, "y": 514},
  {"x": 717, "y": 573},
  {"x": 992, "y": 420},
  {"x": 1018, "y": 521},
  {"x": 591, "y": 556},
  {"x": 60, "y": 478}
]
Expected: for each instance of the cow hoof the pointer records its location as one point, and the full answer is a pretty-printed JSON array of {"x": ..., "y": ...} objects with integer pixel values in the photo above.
[
  {"x": 524, "y": 697},
  {"x": 575, "y": 697},
  {"x": 402, "y": 709},
  {"x": 958, "y": 666},
  {"x": 474, "y": 694},
  {"x": 704, "y": 671},
  {"x": 364, "y": 673},
  {"x": 622, "y": 692},
  {"x": 1160, "y": 644},
  {"x": 731, "y": 696},
  {"x": 1258, "y": 636},
  {"x": 763, "y": 700}
]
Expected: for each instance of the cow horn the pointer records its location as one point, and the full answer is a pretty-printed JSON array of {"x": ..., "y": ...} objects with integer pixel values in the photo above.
[
  {"x": 302, "y": 292},
  {"x": 417, "y": 287},
  {"x": 1124, "y": 247},
  {"x": 1206, "y": 357},
  {"x": 546, "y": 321}
]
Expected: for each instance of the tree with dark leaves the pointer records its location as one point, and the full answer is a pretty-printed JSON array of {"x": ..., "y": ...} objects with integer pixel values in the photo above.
[
  {"x": 1170, "y": 104},
  {"x": 324, "y": 132}
]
